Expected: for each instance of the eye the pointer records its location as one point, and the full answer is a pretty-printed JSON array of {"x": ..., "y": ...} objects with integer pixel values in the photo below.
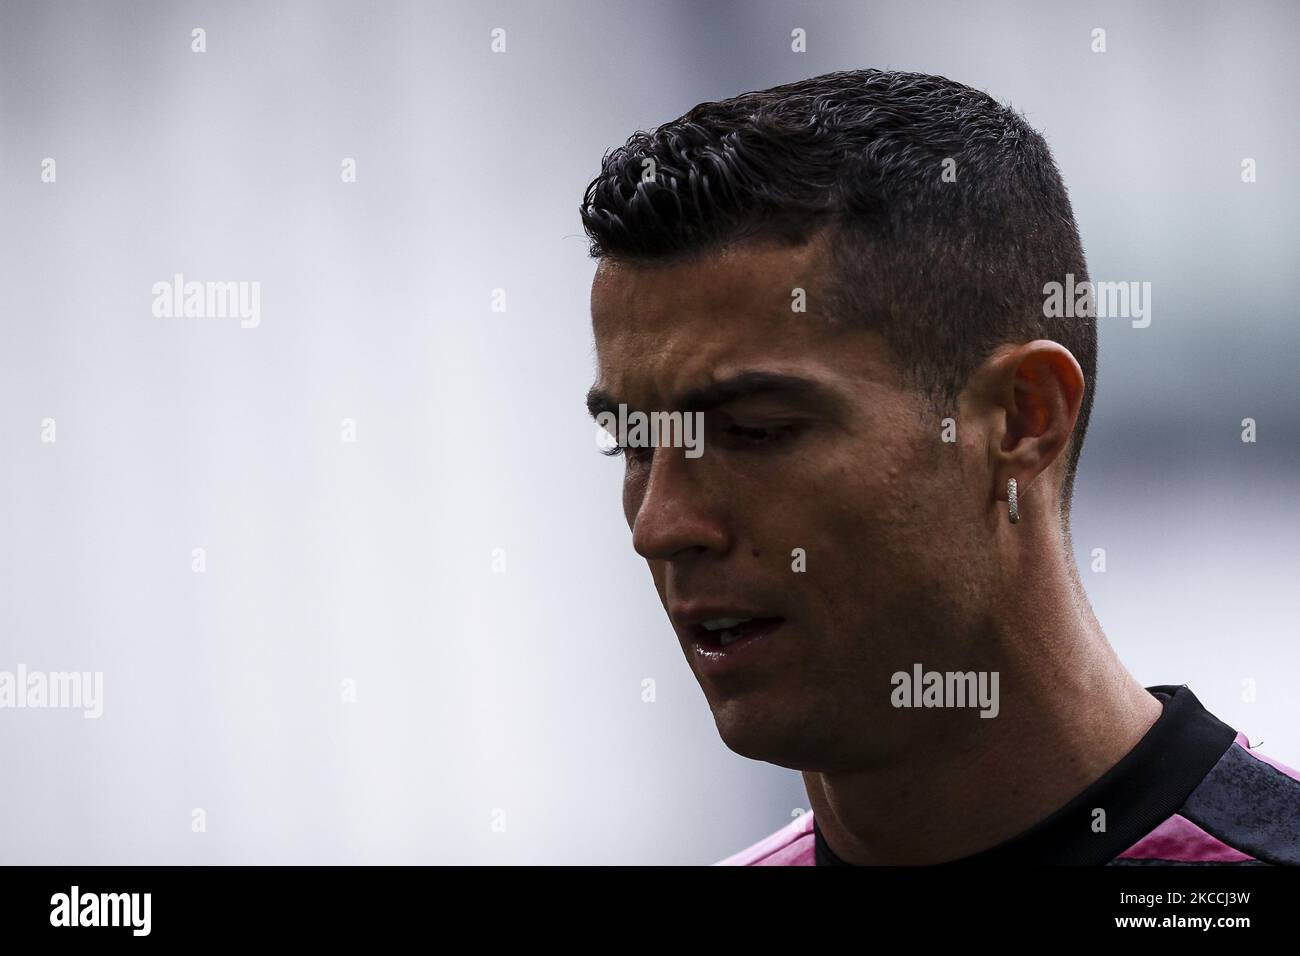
[
  {"x": 634, "y": 455},
  {"x": 759, "y": 435},
  {"x": 753, "y": 436}
]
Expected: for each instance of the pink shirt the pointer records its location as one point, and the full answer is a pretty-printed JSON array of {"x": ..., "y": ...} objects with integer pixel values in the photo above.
[{"x": 1196, "y": 800}]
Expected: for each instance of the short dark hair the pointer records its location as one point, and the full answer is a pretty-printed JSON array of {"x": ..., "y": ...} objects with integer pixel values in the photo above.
[{"x": 945, "y": 267}]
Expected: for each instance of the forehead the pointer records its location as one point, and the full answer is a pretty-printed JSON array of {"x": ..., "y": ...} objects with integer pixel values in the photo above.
[
  {"x": 754, "y": 280},
  {"x": 663, "y": 329}
]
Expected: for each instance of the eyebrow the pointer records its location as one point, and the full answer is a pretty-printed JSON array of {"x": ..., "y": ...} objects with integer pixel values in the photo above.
[{"x": 743, "y": 385}]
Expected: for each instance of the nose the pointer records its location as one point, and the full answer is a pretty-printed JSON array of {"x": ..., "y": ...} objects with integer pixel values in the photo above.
[{"x": 677, "y": 513}]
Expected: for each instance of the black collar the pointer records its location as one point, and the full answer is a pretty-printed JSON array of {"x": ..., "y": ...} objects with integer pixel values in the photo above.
[{"x": 1148, "y": 785}]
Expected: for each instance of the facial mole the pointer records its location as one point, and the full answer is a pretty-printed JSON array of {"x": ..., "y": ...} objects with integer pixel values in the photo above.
[{"x": 755, "y": 552}]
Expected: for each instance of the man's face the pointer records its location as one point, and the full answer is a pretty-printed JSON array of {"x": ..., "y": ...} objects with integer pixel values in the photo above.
[{"x": 824, "y": 507}]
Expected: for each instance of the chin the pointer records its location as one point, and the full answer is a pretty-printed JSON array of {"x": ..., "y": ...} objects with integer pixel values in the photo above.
[{"x": 763, "y": 732}]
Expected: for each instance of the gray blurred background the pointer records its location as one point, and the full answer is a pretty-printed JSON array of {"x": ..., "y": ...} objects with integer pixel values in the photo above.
[{"x": 464, "y": 562}]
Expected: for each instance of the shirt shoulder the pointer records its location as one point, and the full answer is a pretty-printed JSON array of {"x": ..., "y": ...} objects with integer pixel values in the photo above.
[
  {"x": 1245, "y": 811},
  {"x": 792, "y": 845}
]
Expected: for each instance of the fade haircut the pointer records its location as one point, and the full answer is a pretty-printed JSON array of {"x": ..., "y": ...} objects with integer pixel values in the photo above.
[{"x": 944, "y": 267}]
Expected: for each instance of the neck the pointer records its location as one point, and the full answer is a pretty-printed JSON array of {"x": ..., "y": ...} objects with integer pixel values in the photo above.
[{"x": 1069, "y": 712}]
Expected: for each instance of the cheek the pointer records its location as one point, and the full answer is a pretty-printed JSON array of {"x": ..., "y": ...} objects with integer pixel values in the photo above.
[{"x": 868, "y": 506}]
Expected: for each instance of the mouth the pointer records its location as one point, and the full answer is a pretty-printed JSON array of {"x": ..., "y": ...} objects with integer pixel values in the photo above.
[
  {"x": 721, "y": 642},
  {"x": 725, "y": 631}
]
